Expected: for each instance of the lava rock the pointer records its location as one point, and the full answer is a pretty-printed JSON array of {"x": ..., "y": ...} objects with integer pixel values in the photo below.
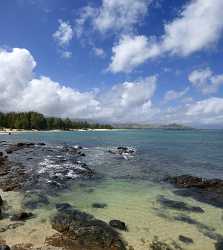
[
  {"x": 83, "y": 228},
  {"x": 4, "y": 247},
  {"x": 1, "y": 201},
  {"x": 99, "y": 205},
  {"x": 118, "y": 224},
  {"x": 63, "y": 206},
  {"x": 185, "y": 239},
  {"x": 204, "y": 190},
  {"x": 22, "y": 216}
]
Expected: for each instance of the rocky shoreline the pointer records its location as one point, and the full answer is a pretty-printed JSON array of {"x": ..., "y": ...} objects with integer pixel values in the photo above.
[{"x": 38, "y": 169}]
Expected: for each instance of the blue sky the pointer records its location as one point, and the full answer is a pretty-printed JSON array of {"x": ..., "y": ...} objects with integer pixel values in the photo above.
[{"x": 147, "y": 61}]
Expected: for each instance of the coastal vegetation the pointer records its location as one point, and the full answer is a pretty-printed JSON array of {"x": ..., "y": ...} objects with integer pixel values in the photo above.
[{"x": 36, "y": 121}]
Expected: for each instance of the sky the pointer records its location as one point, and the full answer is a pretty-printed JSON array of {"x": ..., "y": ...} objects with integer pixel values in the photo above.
[{"x": 114, "y": 61}]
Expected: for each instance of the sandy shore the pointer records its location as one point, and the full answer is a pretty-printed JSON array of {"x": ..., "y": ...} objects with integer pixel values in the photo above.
[{"x": 7, "y": 131}]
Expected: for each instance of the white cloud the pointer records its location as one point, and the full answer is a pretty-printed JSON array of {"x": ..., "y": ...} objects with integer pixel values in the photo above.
[
  {"x": 206, "y": 81},
  {"x": 113, "y": 15},
  {"x": 16, "y": 69},
  {"x": 64, "y": 34},
  {"x": 20, "y": 91},
  {"x": 120, "y": 14},
  {"x": 130, "y": 101},
  {"x": 66, "y": 54},
  {"x": 130, "y": 52},
  {"x": 173, "y": 94},
  {"x": 99, "y": 52},
  {"x": 198, "y": 27}
]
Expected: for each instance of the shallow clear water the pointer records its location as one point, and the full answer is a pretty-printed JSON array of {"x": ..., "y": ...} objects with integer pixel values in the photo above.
[{"x": 131, "y": 188}]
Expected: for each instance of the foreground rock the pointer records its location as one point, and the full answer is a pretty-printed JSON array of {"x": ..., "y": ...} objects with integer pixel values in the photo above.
[
  {"x": 19, "y": 146},
  {"x": 118, "y": 224},
  {"x": 4, "y": 247},
  {"x": 203, "y": 190},
  {"x": 37, "y": 166},
  {"x": 22, "y": 216},
  {"x": 81, "y": 229}
]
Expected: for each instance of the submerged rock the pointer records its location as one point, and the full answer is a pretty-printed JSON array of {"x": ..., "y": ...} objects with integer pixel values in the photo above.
[
  {"x": 99, "y": 205},
  {"x": 35, "y": 199},
  {"x": 219, "y": 245},
  {"x": 179, "y": 205},
  {"x": 79, "y": 228},
  {"x": 61, "y": 207},
  {"x": 21, "y": 216},
  {"x": 118, "y": 224},
  {"x": 203, "y": 190},
  {"x": 185, "y": 239},
  {"x": 4, "y": 247},
  {"x": 1, "y": 201},
  {"x": 19, "y": 146}
]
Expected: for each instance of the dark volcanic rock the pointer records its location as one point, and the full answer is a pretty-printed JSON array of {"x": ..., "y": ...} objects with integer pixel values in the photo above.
[
  {"x": 99, "y": 205},
  {"x": 118, "y": 224},
  {"x": 4, "y": 247},
  {"x": 185, "y": 239},
  {"x": 179, "y": 205},
  {"x": 22, "y": 216},
  {"x": 1, "y": 201},
  {"x": 81, "y": 228},
  {"x": 62, "y": 207},
  {"x": 19, "y": 146},
  {"x": 203, "y": 190},
  {"x": 219, "y": 245}
]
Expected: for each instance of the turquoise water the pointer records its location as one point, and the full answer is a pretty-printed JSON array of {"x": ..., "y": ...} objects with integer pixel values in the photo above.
[
  {"x": 131, "y": 188},
  {"x": 159, "y": 152}
]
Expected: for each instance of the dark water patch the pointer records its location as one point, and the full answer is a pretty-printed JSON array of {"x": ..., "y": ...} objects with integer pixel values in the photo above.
[{"x": 178, "y": 205}]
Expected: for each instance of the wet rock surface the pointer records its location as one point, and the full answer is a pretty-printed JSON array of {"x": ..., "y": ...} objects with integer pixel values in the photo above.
[
  {"x": 76, "y": 227},
  {"x": 118, "y": 224},
  {"x": 99, "y": 205},
  {"x": 203, "y": 190},
  {"x": 37, "y": 166},
  {"x": 185, "y": 239},
  {"x": 22, "y": 216},
  {"x": 125, "y": 152}
]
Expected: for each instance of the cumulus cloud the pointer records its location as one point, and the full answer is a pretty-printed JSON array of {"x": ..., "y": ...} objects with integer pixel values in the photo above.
[
  {"x": 205, "y": 80},
  {"x": 198, "y": 26},
  {"x": 130, "y": 52},
  {"x": 64, "y": 34},
  {"x": 113, "y": 15},
  {"x": 21, "y": 91},
  {"x": 120, "y": 14},
  {"x": 210, "y": 106},
  {"x": 173, "y": 94}
]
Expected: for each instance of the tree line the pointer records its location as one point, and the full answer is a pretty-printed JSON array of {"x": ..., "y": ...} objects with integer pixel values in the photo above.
[{"x": 34, "y": 120}]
